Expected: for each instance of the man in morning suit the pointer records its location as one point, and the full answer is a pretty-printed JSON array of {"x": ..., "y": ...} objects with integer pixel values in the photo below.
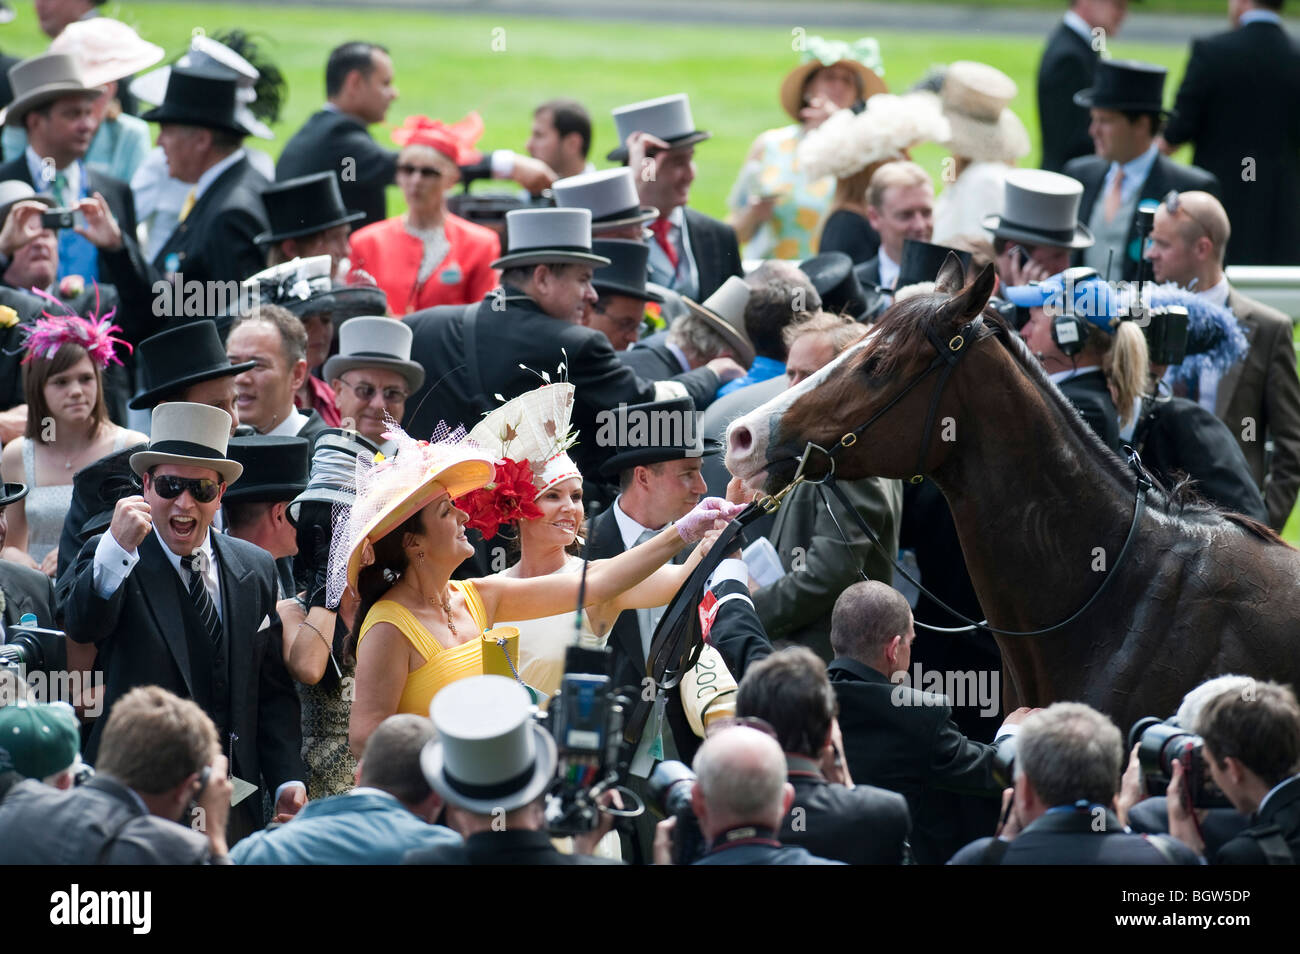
[
  {"x": 471, "y": 353},
  {"x": 202, "y": 133},
  {"x": 900, "y": 206},
  {"x": 1235, "y": 105},
  {"x": 1067, "y": 66},
  {"x": 1125, "y": 104},
  {"x": 691, "y": 254},
  {"x": 903, "y": 739},
  {"x": 171, "y": 604},
  {"x": 1259, "y": 396}
]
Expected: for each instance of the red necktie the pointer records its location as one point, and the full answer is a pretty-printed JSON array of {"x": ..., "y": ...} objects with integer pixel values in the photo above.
[{"x": 660, "y": 228}]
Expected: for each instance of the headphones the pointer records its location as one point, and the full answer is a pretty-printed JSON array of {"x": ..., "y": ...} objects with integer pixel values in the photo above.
[{"x": 1068, "y": 330}]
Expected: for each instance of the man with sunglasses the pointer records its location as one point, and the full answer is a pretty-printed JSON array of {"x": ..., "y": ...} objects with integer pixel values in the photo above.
[
  {"x": 168, "y": 603},
  {"x": 373, "y": 374},
  {"x": 1258, "y": 397}
]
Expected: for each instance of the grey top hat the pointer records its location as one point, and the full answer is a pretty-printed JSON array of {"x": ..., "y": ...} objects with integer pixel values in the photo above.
[
  {"x": 375, "y": 342},
  {"x": 490, "y": 754},
  {"x": 668, "y": 117},
  {"x": 611, "y": 196},
  {"x": 548, "y": 237},
  {"x": 43, "y": 79},
  {"x": 724, "y": 312},
  {"x": 193, "y": 434},
  {"x": 1041, "y": 208}
]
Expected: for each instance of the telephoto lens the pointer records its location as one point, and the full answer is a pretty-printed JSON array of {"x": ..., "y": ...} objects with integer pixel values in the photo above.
[{"x": 670, "y": 786}]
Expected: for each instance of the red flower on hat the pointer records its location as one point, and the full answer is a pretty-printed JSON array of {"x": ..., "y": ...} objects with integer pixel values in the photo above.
[
  {"x": 455, "y": 141},
  {"x": 508, "y": 499}
]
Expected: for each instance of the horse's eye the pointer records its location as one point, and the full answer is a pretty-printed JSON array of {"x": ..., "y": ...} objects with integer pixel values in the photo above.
[{"x": 870, "y": 364}]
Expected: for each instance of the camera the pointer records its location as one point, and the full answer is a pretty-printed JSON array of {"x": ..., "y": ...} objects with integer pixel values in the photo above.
[
  {"x": 586, "y": 720},
  {"x": 23, "y": 652},
  {"x": 59, "y": 219},
  {"x": 1004, "y": 762},
  {"x": 670, "y": 786},
  {"x": 1161, "y": 743},
  {"x": 1166, "y": 333},
  {"x": 1015, "y": 316}
]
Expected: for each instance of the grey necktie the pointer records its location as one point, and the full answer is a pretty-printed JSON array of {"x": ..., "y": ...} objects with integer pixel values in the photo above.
[{"x": 647, "y": 619}]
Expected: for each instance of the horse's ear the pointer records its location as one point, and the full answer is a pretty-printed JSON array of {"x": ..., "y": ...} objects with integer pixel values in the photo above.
[
  {"x": 952, "y": 276},
  {"x": 965, "y": 306}
]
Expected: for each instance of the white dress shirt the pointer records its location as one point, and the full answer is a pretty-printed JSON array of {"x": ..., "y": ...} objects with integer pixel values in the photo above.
[
  {"x": 889, "y": 269},
  {"x": 290, "y": 426},
  {"x": 113, "y": 565}
]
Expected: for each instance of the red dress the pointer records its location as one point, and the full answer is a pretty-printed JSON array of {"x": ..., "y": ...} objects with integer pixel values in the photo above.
[{"x": 391, "y": 255}]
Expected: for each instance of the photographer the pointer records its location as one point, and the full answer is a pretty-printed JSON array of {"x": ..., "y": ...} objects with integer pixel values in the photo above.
[
  {"x": 857, "y": 825},
  {"x": 1060, "y": 812},
  {"x": 40, "y": 742},
  {"x": 739, "y": 799},
  {"x": 1252, "y": 750},
  {"x": 492, "y": 763},
  {"x": 158, "y": 757}
]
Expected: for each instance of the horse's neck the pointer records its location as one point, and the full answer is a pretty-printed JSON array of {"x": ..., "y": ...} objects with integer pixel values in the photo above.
[{"x": 1040, "y": 513}]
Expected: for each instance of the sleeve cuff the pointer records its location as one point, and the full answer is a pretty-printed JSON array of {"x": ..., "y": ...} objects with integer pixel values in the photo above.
[
  {"x": 112, "y": 565},
  {"x": 284, "y": 785},
  {"x": 503, "y": 163},
  {"x": 730, "y": 569}
]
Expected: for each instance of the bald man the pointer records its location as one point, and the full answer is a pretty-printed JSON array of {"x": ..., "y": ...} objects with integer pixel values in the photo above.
[
  {"x": 740, "y": 798},
  {"x": 1258, "y": 398}
]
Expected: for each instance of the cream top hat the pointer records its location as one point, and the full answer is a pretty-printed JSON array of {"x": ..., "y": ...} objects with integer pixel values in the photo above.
[
  {"x": 196, "y": 435},
  {"x": 724, "y": 312},
  {"x": 372, "y": 341},
  {"x": 548, "y": 237},
  {"x": 610, "y": 195}
]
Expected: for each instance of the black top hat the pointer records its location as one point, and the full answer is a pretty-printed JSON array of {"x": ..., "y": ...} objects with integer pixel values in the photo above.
[
  {"x": 626, "y": 272},
  {"x": 655, "y": 432},
  {"x": 922, "y": 261},
  {"x": 196, "y": 99},
  {"x": 1125, "y": 85},
  {"x": 172, "y": 360},
  {"x": 304, "y": 206},
  {"x": 832, "y": 274},
  {"x": 275, "y": 468},
  {"x": 12, "y": 493}
]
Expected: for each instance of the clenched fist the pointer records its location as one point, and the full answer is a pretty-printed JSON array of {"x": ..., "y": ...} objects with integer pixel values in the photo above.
[{"x": 132, "y": 522}]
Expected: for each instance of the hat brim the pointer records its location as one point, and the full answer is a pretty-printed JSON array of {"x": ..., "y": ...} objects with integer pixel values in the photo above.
[
  {"x": 265, "y": 493},
  {"x": 470, "y": 471},
  {"x": 144, "y": 55},
  {"x": 170, "y": 113},
  {"x": 619, "y": 153},
  {"x": 1002, "y": 141},
  {"x": 617, "y": 288},
  {"x": 227, "y": 468},
  {"x": 435, "y": 773},
  {"x": 268, "y": 237},
  {"x": 12, "y": 493},
  {"x": 542, "y": 256},
  {"x": 792, "y": 85},
  {"x": 1082, "y": 234},
  {"x": 645, "y": 456},
  {"x": 647, "y": 213},
  {"x": 340, "y": 365},
  {"x": 147, "y": 399},
  {"x": 738, "y": 343},
  {"x": 12, "y": 115},
  {"x": 1087, "y": 99},
  {"x": 341, "y": 303}
]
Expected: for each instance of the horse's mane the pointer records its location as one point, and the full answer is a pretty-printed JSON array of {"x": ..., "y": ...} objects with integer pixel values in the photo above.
[{"x": 901, "y": 332}]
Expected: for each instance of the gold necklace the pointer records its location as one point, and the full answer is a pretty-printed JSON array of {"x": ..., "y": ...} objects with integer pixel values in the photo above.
[{"x": 444, "y": 602}]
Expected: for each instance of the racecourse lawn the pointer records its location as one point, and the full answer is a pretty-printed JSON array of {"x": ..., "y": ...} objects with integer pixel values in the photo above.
[{"x": 503, "y": 66}]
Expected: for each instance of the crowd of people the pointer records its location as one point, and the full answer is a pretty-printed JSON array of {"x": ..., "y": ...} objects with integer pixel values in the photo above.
[{"x": 314, "y": 508}]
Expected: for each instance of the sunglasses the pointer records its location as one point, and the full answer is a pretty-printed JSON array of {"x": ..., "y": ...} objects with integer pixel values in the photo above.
[
  {"x": 366, "y": 392},
  {"x": 429, "y": 172},
  {"x": 202, "y": 489},
  {"x": 1173, "y": 205}
]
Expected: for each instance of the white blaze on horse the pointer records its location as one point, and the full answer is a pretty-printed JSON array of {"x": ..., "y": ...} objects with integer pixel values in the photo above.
[{"x": 942, "y": 388}]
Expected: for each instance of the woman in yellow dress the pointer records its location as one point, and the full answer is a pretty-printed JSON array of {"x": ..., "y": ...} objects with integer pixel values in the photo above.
[{"x": 421, "y": 630}]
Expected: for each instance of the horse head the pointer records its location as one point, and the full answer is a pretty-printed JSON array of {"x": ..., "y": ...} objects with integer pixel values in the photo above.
[{"x": 887, "y": 381}]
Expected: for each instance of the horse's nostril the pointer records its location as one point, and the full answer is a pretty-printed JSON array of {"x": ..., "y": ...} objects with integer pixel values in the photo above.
[{"x": 741, "y": 440}]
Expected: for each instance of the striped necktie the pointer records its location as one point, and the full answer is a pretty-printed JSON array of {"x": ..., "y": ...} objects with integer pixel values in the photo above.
[{"x": 202, "y": 601}]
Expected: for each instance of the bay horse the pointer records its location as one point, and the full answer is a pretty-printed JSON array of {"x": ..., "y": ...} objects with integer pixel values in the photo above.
[{"x": 1042, "y": 510}]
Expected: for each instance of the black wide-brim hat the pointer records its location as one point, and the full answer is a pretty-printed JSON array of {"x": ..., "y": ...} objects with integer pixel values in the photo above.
[
  {"x": 645, "y": 424},
  {"x": 832, "y": 274},
  {"x": 199, "y": 99},
  {"x": 1126, "y": 86},
  {"x": 341, "y": 303},
  {"x": 179, "y": 357},
  {"x": 12, "y": 493},
  {"x": 275, "y": 468},
  {"x": 304, "y": 206}
]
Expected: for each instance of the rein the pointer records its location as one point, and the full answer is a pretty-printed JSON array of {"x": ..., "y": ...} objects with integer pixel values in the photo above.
[{"x": 945, "y": 362}]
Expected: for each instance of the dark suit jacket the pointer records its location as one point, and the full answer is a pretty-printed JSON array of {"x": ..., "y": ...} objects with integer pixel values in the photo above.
[
  {"x": 87, "y": 818},
  {"x": 1074, "y": 838},
  {"x": 1228, "y": 106},
  {"x": 215, "y": 242},
  {"x": 141, "y": 634},
  {"x": 1091, "y": 398},
  {"x": 1263, "y": 387},
  {"x": 902, "y": 739},
  {"x": 818, "y": 566},
  {"x": 761, "y": 852},
  {"x": 520, "y": 334},
  {"x": 850, "y": 233},
  {"x": 652, "y": 360},
  {"x": 510, "y": 847},
  {"x": 30, "y": 591},
  {"x": 332, "y": 142},
  {"x": 716, "y": 252},
  {"x": 1281, "y": 811},
  {"x": 1165, "y": 175},
  {"x": 1067, "y": 66},
  {"x": 1179, "y": 436},
  {"x": 6, "y": 88},
  {"x": 863, "y": 825}
]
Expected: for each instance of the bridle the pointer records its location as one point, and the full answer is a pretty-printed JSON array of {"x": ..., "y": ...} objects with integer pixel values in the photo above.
[{"x": 946, "y": 359}]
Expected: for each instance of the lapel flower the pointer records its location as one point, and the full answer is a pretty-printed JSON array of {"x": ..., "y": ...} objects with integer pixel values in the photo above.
[
  {"x": 71, "y": 286},
  {"x": 8, "y": 317}
]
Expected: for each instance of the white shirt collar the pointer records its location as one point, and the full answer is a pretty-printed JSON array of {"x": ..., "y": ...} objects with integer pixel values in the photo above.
[
  {"x": 628, "y": 528},
  {"x": 1259, "y": 16},
  {"x": 1216, "y": 294},
  {"x": 889, "y": 269},
  {"x": 1079, "y": 25},
  {"x": 679, "y": 354},
  {"x": 290, "y": 426},
  {"x": 35, "y": 166},
  {"x": 210, "y": 176}
]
